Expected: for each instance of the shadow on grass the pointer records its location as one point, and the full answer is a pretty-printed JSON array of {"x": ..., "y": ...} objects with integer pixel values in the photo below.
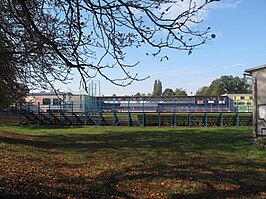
[
  {"x": 218, "y": 184},
  {"x": 199, "y": 164},
  {"x": 179, "y": 140}
]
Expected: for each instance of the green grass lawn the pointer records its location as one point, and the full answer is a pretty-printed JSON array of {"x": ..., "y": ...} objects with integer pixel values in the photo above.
[{"x": 123, "y": 162}]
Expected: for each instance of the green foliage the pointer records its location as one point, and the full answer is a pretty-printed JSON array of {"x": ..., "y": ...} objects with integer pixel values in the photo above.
[
  {"x": 260, "y": 143},
  {"x": 157, "y": 88},
  {"x": 180, "y": 92},
  {"x": 202, "y": 91},
  {"x": 177, "y": 92},
  {"x": 225, "y": 85},
  {"x": 168, "y": 92}
]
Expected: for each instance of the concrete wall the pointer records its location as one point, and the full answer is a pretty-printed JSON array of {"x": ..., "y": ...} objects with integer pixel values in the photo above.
[{"x": 259, "y": 92}]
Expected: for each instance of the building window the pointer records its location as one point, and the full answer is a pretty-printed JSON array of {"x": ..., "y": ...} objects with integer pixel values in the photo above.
[
  {"x": 237, "y": 103},
  {"x": 242, "y": 97},
  {"x": 46, "y": 101},
  {"x": 56, "y": 101}
]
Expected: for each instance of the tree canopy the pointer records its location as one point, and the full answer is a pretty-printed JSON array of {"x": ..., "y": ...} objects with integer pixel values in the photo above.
[
  {"x": 168, "y": 92},
  {"x": 11, "y": 88},
  {"x": 202, "y": 91},
  {"x": 225, "y": 85},
  {"x": 49, "y": 39},
  {"x": 180, "y": 92},
  {"x": 177, "y": 92},
  {"x": 157, "y": 88}
]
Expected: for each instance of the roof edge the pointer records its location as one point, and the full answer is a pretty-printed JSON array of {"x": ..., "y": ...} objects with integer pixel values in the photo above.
[{"x": 250, "y": 70}]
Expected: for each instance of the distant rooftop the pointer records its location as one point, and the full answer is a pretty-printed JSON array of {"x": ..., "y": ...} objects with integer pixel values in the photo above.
[
  {"x": 44, "y": 93},
  {"x": 250, "y": 70}
]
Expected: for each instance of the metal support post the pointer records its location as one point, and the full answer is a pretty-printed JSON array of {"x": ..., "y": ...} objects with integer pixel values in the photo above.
[
  {"x": 159, "y": 118},
  {"x": 128, "y": 113},
  {"x": 222, "y": 119},
  {"x": 39, "y": 112},
  {"x": 49, "y": 115},
  {"x": 174, "y": 119},
  {"x": 143, "y": 114},
  {"x": 60, "y": 121},
  {"x": 237, "y": 118},
  {"x": 72, "y": 107},
  {"x": 20, "y": 113},
  {"x": 174, "y": 113},
  {"x": 39, "y": 108},
  {"x": 206, "y": 119},
  {"x": 189, "y": 119},
  {"x": 28, "y": 114}
]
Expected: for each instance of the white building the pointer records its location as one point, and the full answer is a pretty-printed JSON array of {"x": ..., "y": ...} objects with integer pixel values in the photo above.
[{"x": 44, "y": 101}]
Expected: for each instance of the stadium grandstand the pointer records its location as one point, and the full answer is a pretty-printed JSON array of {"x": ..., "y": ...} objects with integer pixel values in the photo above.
[{"x": 79, "y": 109}]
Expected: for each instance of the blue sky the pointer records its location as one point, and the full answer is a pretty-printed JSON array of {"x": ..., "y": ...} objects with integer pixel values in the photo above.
[{"x": 240, "y": 28}]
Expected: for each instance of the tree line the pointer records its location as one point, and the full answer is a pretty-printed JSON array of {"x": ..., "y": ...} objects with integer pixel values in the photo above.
[{"x": 226, "y": 84}]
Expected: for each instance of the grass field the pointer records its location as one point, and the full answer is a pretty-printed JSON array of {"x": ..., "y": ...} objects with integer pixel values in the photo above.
[{"x": 113, "y": 162}]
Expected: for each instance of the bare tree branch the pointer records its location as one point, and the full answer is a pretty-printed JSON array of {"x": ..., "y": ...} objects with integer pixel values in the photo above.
[{"x": 50, "y": 38}]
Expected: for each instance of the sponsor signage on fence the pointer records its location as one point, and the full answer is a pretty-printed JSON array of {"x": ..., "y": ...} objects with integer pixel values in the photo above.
[{"x": 200, "y": 102}]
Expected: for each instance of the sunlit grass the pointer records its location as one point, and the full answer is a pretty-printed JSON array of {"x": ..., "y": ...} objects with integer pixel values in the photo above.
[{"x": 130, "y": 162}]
